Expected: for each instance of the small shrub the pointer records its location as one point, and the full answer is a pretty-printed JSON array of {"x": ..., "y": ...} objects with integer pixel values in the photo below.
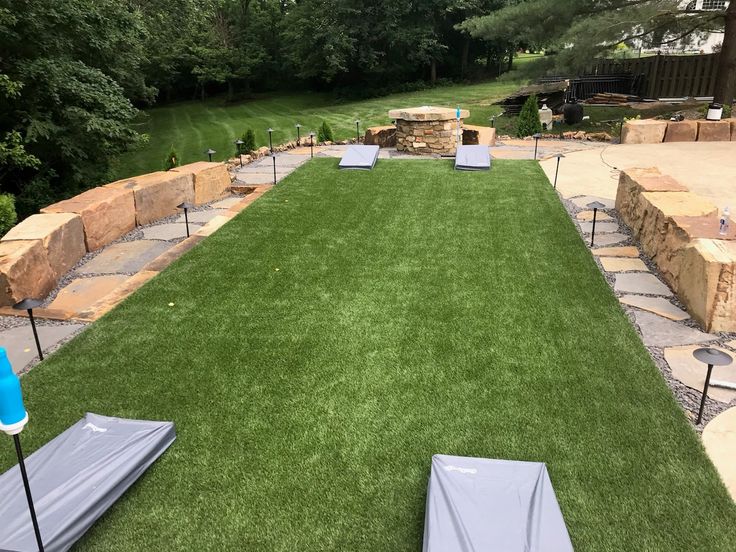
[
  {"x": 325, "y": 133},
  {"x": 249, "y": 141},
  {"x": 172, "y": 160},
  {"x": 8, "y": 217},
  {"x": 529, "y": 123}
]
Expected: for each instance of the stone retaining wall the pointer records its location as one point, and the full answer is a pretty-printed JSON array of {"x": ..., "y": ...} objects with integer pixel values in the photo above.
[
  {"x": 42, "y": 248},
  {"x": 654, "y": 131},
  {"x": 679, "y": 231}
]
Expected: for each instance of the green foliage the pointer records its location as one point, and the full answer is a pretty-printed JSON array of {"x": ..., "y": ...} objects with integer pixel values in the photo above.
[
  {"x": 528, "y": 122},
  {"x": 172, "y": 160},
  {"x": 249, "y": 140},
  {"x": 324, "y": 134},
  {"x": 8, "y": 217}
]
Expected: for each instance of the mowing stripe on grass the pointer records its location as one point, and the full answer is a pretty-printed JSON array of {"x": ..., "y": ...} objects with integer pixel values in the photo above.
[{"x": 345, "y": 327}]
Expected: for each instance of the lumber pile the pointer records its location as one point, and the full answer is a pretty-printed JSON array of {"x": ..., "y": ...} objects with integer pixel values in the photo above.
[
  {"x": 551, "y": 93},
  {"x": 611, "y": 98}
]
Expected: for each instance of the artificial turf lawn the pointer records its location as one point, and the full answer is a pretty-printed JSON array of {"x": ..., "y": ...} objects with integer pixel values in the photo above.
[{"x": 348, "y": 325}]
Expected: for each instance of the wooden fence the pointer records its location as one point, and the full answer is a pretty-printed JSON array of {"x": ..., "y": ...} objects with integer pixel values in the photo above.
[{"x": 667, "y": 76}]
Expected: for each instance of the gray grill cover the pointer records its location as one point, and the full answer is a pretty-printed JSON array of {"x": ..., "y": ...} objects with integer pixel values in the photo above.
[
  {"x": 359, "y": 157},
  {"x": 472, "y": 158},
  {"x": 482, "y": 505},
  {"x": 75, "y": 478}
]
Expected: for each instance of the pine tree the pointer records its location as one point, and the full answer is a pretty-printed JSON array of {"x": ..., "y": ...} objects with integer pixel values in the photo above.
[
  {"x": 172, "y": 160},
  {"x": 325, "y": 133},
  {"x": 529, "y": 123},
  {"x": 249, "y": 141}
]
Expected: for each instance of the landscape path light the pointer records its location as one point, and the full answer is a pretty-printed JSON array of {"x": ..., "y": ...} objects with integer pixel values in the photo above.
[
  {"x": 210, "y": 152},
  {"x": 273, "y": 156},
  {"x": 298, "y": 134},
  {"x": 536, "y": 137},
  {"x": 239, "y": 146},
  {"x": 28, "y": 305},
  {"x": 357, "y": 131},
  {"x": 493, "y": 121},
  {"x": 711, "y": 357},
  {"x": 557, "y": 168},
  {"x": 13, "y": 418},
  {"x": 186, "y": 206},
  {"x": 270, "y": 139},
  {"x": 311, "y": 144},
  {"x": 595, "y": 205}
]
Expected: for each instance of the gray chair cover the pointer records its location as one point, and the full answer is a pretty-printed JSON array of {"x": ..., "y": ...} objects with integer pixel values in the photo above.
[
  {"x": 75, "y": 478},
  {"x": 482, "y": 505},
  {"x": 472, "y": 158},
  {"x": 359, "y": 157}
]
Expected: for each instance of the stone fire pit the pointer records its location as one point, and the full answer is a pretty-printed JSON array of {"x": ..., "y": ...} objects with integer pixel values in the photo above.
[{"x": 427, "y": 129}]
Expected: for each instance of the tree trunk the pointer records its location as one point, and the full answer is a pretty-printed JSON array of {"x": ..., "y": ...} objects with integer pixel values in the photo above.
[
  {"x": 433, "y": 72},
  {"x": 230, "y": 91},
  {"x": 725, "y": 86},
  {"x": 511, "y": 60},
  {"x": 464, "y": 58}
]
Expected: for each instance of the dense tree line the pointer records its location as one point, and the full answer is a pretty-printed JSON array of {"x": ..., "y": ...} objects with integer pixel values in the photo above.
[{"x": 74, "y": 73}]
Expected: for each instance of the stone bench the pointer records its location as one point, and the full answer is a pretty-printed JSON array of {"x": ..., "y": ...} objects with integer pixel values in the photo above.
[
  {"x": 654, "y": 131},
  {"x": 157, "y": 194},
  {"x": 211, "y": 180},
  {"x": 678, "y": 230}
]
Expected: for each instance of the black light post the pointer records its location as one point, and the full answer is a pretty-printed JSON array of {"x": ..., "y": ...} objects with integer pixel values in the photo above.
[
  {"x": 557, "y": 169},
  {"x": 270, "y": 139},
  {"x": 711, "y": 357},
  {"x": 595, "y": 205},
  {"x": 239, "y": 146},
  {"x": 357, "y": 132},
  {"x": 186, "y": 206},
  {"x": 29, "y": 497},
  {"x": 536, "y": 137},
  {"x": 273, "y": 156},
  {"x": 311, "y": 144},
  {"x": 493, "y": 121},
  {"x": 28, "y": 305},
  {"x": 298, "y": 134},
  {"x": 210, "y": 152}
]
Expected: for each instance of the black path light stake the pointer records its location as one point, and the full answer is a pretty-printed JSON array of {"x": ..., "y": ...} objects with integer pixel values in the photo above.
[
  {"x": 273, "y": 156},
  {"x": 210, "y": 152},
  {"x": 186, "y": 206},
  {"x": 557, "y": 169},
  {"x": 493, "y": 121},
  {"x": 357, "y": 131},
  {"x": 270, "y": 139},
  {"x": 595, "y": 205},
  {"x": 239, "y": 146},
  {"x": 298, "y": 134},
  {"x": 28, "y": 305},
  {"x": 711, "y": 357},
  {"x": 311, "y": 144},
  {"x": 536, "y": 137}
]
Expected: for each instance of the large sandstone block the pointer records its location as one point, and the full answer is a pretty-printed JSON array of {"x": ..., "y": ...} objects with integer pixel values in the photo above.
[
  {"x": 24, "y": 271},
  {"x": 107, "y": 214},
  {"x": 211, "y": 180},
  {"x": 157, "y": 194},
  {"x": 681, "y": 131},
  {"x": 706, "y": 284},
  {"x": 714, "y": 131},
  {"x": 644, "y": 131},
  {"x": 381, "y": 136},
  {"x": 61, "y": 234},
  {"x": 733, "y": 129},
  {"x": 480, "y": 135}
]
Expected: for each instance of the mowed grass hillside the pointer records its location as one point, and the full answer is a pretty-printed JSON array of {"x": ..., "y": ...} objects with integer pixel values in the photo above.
[
  {"x": 193, "y": 127},
  {"x": 324, "y": 344}
]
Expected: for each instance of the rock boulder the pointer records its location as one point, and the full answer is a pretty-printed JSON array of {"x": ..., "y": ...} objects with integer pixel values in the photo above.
[
  {"x": 644, "y": 131},
  {"x": 381, "y": 136},
  {"x": 211, "y": 180},
  {"x": 681, "y": 131},
  {"x": 24, "y": 271},
  {"x": 479, "y": 135},
  {"x": 714, "y": 131},
  {"x": 157, "y": 194}
]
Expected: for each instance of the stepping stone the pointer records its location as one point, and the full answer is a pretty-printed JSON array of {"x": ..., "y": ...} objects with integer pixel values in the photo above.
[
  {"x": 227, "y": 202},
  {"x": 126, "y": 257},
  {"x": 202, "y": 217},
  {"x": 588, "y": 216},
  {"x": 657, "y": 305},
  {"x": 84, "y": 292},
  {"x": 583, "y": 201},
  {"x": 642, "y": 283},
  {"x": 21, "y": 347},
  {"x": 660, "y": 332},
  {"x": 622, "y": 264},
  {"x": 600, "y": 227},
  {"x": 691, "y": 372},
  {"x": 626, "y": 251},
  {"x": 719, "y": 440},
  {"x": 608, "y": 239},
  {"x": 169, "y": 231}
]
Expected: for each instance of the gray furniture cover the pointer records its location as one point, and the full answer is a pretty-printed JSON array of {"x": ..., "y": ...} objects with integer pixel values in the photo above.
[
  {"x": 482, "y": 505},
  {"x": 359, "y": 157},
  {"x": 472, "y": 158},
  {"x": 75, "y": 478}
]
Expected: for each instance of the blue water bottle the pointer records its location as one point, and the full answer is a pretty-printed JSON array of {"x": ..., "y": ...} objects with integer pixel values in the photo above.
[{"x": 13, "y": 415}]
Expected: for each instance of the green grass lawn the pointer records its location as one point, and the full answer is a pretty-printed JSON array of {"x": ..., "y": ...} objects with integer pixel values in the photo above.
[
  {"x": 348, "y": 325},
  {"x": 194, "y": 127}
]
